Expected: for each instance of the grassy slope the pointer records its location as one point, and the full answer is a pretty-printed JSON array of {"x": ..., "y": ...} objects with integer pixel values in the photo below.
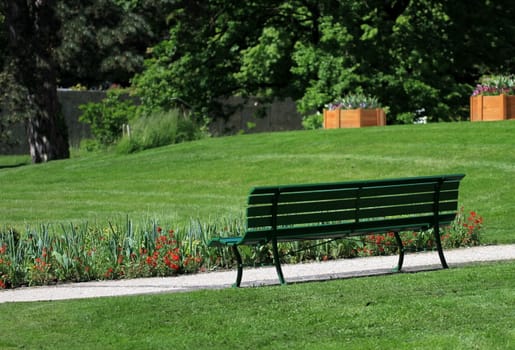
[
  {"x": 210, "y": 178},
  {"x": 461, "y": 308}
]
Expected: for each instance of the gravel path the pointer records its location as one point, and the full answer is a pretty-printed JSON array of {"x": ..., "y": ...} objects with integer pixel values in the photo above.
[{"x": 344, "y": 268}]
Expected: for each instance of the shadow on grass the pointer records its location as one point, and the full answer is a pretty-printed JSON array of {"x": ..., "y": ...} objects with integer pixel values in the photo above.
[
  {"x": 7, "y": 166},
  {"x": 325, "y": 277}
]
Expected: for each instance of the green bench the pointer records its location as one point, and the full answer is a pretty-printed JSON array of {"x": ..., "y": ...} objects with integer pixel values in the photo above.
[{"x": 338, "y": 210}]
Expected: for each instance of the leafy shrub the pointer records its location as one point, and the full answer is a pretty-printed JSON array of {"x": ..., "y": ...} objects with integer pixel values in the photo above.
[
  {"x": 312, "y": 122},
  {"x": 159, "y": 129},
  {"x": 91, "y": 145},
  {"x": 108, "y": 116}
]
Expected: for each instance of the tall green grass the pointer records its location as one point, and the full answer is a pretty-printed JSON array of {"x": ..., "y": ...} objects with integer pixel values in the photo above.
[{"x": 209, "y": 179}]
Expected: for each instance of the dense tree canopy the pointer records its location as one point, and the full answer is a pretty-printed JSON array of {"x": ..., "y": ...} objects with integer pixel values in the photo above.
[
  {"x": 105, "y": 41},
  {"x": 414, "y": 55}
]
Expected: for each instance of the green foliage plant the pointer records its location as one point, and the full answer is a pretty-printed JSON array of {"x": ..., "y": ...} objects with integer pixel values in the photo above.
[
  {"x": 159, "y": 129},
  {"x": 82, "y": 253},
  {"x": 104, "y": 42},
  {"x": 354, "y": 101},
  {"x": 107, "y": 117},
  {"x": 313, "y": 121},
  {"x": 493, "y": 85},
  {"x": 320, "y": 70}
]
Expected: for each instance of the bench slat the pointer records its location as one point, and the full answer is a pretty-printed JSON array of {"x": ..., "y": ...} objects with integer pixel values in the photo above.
[
  {"x": 310, "y": 232},
  {"x": 406, "y": 199},
  {"x": 341, "y": 204},
  {"x": 327, "y": 194},
  {"x": 356, "y": 184},
  {"x": 318, "y": 195},
  {"x": 261, "y": 195},
  {"x": 348, "y": 215}
]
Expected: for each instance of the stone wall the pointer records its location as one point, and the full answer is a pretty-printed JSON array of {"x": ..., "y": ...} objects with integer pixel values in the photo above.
[
  {"x": 252, "y": 118},
  {"x": 280, "y": 115}
]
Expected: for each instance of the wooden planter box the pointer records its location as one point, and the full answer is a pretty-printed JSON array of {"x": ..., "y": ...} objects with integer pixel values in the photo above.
[
  {"x": 353, "y": 118},
  {"x": 489, "y": 108}
]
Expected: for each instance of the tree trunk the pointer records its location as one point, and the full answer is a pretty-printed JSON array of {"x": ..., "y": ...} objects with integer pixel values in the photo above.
[
  {"x": 46, "y": 131},
  {"x": 33, "y": 31}
]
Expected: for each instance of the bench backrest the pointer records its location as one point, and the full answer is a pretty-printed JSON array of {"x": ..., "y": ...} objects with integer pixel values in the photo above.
[{"x": 314, "y": 211}]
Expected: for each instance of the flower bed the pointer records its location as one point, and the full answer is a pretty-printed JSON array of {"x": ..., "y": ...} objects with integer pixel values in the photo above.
[
  {"x": 354, "y": 111},
  {"x": 493, "y": 99},
  {"x": 122, "y": 251}
]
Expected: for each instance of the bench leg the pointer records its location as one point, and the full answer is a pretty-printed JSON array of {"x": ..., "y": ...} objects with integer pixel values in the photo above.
[
  {"x": 277, "y": 262},
  {"x": 401, "y": 252},
  {"x": 439, "y": 247},
  {"x": 240, "y": 266}
]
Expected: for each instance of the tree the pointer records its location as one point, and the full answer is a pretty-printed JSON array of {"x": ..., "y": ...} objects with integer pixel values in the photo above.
[
  {"x": 31, "y": 91},
  {"x": 196, "y": 64},
  {"x": 105, "y": 41}
]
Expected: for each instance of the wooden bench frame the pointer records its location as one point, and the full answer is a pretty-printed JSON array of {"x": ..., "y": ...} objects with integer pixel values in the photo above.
[{"x": 338, "y": 210}]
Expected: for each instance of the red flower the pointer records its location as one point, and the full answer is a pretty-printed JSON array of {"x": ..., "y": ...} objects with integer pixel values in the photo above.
[
  {"x": 151, "y": 261},
  {"x": 159, "y": 229}
]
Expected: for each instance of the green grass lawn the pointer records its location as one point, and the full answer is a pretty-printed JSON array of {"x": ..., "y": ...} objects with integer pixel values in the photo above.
[
  {"x": 209, "y": 179},
  {"x": 461, "y": 308}
]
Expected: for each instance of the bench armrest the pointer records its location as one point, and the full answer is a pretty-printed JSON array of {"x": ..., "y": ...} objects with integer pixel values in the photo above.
[{"x": 224, "y": 241}]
